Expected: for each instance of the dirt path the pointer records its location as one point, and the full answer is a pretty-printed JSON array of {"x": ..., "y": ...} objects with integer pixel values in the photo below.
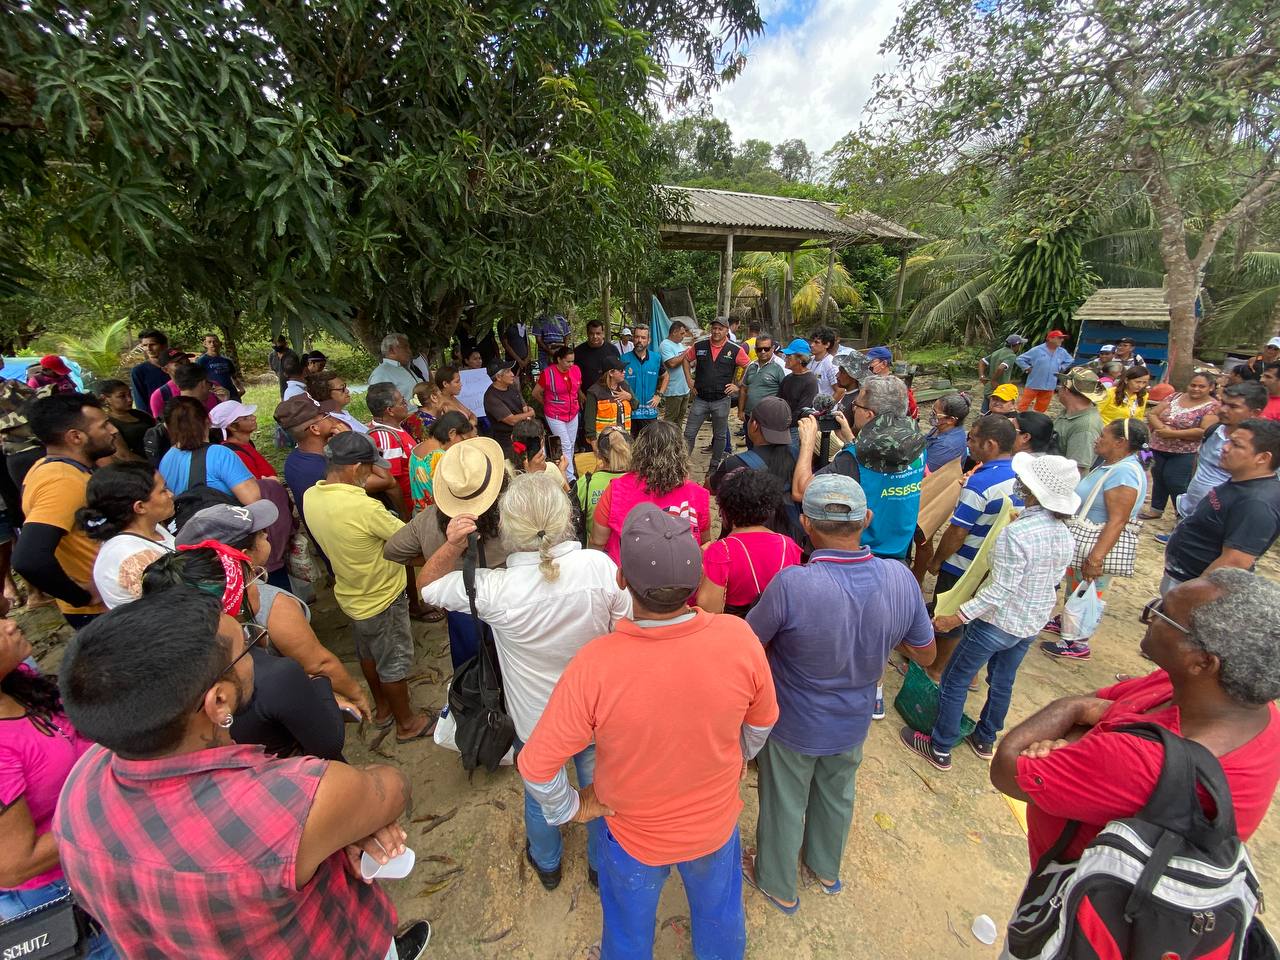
[{"x": 927, "y": 852}]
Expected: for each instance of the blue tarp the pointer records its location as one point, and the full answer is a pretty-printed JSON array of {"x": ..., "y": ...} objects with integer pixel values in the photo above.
[
  {"x": 15, "y": 368},
  {"x": 660, "y": 324}
]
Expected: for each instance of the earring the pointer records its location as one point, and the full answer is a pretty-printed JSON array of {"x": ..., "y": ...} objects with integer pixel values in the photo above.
[{"x": 225, "y": 722}]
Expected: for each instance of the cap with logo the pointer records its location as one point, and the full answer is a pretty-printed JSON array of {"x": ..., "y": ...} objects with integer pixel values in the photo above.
[
  {"x": 720, "y": 322},
  {"x": 227, "y": 523},
  {"x": 55, "y": 364},
  {"x": 297, "y": 412},
  {"x": 345, "y": 449},
  {"x": 773, "y": 416},
  {"x": 658, "y": 551},
  {"x": 1107, "y": 348},
  {"x": 833, "y": 496},
  {"x": 1274, "y": 342},
  {"x": 173, "y": 355}
]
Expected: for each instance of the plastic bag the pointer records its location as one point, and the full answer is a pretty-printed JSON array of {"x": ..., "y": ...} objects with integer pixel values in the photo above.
[
  {"x": 1083, "y": 612},
  {"x": 301, "y": 559}
]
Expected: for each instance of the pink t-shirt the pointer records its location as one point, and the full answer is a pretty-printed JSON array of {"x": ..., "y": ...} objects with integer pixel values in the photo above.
[
  {"x": 35, "y": 759},
  {"x": 689, "y": 500},
  {"x": 745, "y": 563}
]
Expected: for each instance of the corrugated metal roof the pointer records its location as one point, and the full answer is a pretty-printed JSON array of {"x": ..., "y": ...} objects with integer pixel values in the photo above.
[
  {"x": 1145, "y": 307},
  {"x": 697, "y": 206}
]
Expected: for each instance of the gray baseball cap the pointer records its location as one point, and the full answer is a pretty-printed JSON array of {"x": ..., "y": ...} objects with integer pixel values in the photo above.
[
  {"x": 658, "y": 551},
  {"x": 832, "y": 496},
  {"x": 773, "y": 416},
  {"x": 226, "y": 523}
]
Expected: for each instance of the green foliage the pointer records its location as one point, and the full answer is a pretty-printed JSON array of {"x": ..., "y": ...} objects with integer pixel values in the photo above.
[
  {"x": 1043, "y": 278},
  {"x": 356, "y": 166},
  {"x": 102, "y": 353},
  {"x": 763, "y": 274}
]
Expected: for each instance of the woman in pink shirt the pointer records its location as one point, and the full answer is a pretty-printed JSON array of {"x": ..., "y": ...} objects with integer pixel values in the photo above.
[
  {"x": 38, "y": 748},
  {"x": 737, "y": 568},
  {"x": 557, "y": 390},
  {"x": 659, "y": 475}
]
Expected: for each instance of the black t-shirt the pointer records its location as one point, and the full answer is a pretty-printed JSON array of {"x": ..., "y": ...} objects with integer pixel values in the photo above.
[
  {"x": 132, "y": 431},
  {"x": 290, "y": 714},
  {"x": 778, "y": 462},
  {"x": 798, "y": 389},
  {"x": 1242, "y": 516},
  {"x": 845, "y": 464},
  {"x": 499, "y": 404},
  {"x": 591, "y": 360}
]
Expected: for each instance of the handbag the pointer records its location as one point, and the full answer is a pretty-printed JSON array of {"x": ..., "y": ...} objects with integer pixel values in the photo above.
[
  {"x": 1121, "y": 557},
  {"x": 52, "y": 931}
]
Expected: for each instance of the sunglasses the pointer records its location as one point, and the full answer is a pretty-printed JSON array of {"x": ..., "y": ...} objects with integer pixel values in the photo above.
[
  {"x": 764, "y": 349},
  {"x": 1153, "y": 610}
]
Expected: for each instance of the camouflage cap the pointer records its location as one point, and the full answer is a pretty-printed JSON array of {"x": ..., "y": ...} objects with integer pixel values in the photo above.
[
  {"x": 889, "y": 443},
  {"x": 13, "y": 399},
  {"x": 854, "y": 364}
]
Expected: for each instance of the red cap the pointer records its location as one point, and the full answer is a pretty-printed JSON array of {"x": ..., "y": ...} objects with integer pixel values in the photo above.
[
  {"x": 53, "y": 363},
  {"x": 1056, "y": 333}
]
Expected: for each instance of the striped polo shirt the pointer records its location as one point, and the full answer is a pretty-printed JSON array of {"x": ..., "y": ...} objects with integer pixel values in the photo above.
[{"x": 978, "y": 507}]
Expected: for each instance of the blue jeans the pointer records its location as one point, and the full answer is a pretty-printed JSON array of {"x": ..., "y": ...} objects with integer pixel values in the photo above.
[
  {"x": 14, "y": 902},
  {"x": 545, "y": 843},
  {"x": 629, "y": 892},
  {"x": 718, "y": 411},
  {"x": 981, "y": 644}
]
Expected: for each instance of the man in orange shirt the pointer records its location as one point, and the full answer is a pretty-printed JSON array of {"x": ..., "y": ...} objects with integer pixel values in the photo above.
[{"x": 677, "y": 701}]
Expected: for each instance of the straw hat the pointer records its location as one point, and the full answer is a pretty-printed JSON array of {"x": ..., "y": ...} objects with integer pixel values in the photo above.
[
  {"x": 468, "y": 477},
  {"x": 1051, "y": 480}
]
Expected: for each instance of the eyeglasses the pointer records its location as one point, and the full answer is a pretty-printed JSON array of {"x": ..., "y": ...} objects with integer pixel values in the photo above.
[
  {"x": 342, "y": 389},
  {"x": 254, "y": 634},
  {"x": 1153, "y": 610}
]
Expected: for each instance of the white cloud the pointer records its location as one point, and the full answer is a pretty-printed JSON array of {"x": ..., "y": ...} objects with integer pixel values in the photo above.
[{"x": 809, "y": 77}]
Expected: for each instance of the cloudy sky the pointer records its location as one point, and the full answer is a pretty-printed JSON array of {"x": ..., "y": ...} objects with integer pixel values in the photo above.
[{"x": 810, "y": 73}]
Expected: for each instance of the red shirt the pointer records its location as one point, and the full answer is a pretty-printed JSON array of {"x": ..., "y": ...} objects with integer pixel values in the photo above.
[
  {"x": 194, "y": 855},
  {"x": 396, "y": 445},
  {"x": 1108, "y": 775},
  {"x": 1272, "y": 410},
  {"x": 253, "y": 459}
]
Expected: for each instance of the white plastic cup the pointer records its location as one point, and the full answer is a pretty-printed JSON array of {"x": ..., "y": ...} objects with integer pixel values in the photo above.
[
  {"x": 984, "y": 928},
  {"x": 397, "y": 868}
]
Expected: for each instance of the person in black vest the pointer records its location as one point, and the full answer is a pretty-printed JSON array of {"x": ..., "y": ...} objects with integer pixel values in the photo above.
[{"x": 718, "y": 360}]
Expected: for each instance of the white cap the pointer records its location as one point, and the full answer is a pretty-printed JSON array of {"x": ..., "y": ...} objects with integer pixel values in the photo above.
[
  {"x": 626, "y": 331},
  {"x": 1274, "y": 342},
  {"x": 229, "y": 411},
  {"x": 1108, "y": 348}
]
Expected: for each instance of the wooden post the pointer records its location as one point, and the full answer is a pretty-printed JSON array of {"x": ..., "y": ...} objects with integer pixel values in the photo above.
[
  {"x": 826, "y": 287},
  {"x": 719, "y": 285},
  {"x": 728, "y": 276},
  {"x": 788, "y": 291}
]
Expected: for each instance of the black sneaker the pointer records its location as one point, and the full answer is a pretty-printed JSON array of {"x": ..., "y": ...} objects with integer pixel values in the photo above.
[
  {"x": 412, "y": 944},
  {"x": 550, "y": 878},
  {"x": 985, "y": 751},
  {"x": 922, "y": 744}
]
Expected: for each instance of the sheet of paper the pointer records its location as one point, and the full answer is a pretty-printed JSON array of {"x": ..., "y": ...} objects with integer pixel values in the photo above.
[{"x": 474, "y": 384}]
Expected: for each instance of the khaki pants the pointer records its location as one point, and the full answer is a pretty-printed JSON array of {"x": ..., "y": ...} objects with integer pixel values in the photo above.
[{"x": 675, "y": 408}]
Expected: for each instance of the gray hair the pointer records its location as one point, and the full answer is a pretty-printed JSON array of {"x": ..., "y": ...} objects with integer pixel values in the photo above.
[
  {"x": 391, "y": 341},
  {"x": 381, "y": 398},
  {"x": 1240, "y": 629},
  {"x": 884, "y": 395},
  {"x": 534, "y": 514},
  {"x": 956, "y": 406}
]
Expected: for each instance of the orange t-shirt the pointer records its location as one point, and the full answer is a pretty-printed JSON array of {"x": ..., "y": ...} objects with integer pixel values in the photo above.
[
  {"x": 52, "y": 493},
  {"x": 665, "y": 706}
]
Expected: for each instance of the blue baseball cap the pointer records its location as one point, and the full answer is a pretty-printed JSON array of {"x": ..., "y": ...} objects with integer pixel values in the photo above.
[
  {"x": 880, "y": 353},
  {"x": 798, "y": 345},
  {"x": 833, "y": 496}
]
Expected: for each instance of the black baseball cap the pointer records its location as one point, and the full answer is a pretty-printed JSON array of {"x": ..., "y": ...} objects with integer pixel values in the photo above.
[
  {"x": 497, "y": 366},
  {"x": 344, "y": 449}
]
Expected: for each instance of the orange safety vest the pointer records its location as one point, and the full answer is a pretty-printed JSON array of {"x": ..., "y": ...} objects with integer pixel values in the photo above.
[{"x": 613, "y": 412}]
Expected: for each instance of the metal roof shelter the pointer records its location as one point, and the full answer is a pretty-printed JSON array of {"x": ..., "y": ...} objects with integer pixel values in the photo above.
[
  {"x": 1143, "y": 307},
  {"x": 726, "y": 221}
]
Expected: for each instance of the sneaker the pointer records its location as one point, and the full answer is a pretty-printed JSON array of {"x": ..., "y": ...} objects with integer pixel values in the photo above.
[
  {"x": 1067, "y": 649},
  {"x": 1053, "y": 626},
  {"x": 412, "y": 944},
  {"x": 550, "y": 878},
  {"x": 985, "y": 751},
  {"x": 877, "y": 712},
  {"x": 922, "y": 744},
  {"x": 1163, "y": 537}
]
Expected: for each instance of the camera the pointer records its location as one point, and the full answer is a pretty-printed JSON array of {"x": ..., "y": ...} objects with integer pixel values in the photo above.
[{"x": 823, "y": 410}]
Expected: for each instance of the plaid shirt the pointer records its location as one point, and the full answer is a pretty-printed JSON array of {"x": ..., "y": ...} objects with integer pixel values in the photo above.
[
  {"x": 193, "y": 856},
  {"x": 1028, "y": 560}
]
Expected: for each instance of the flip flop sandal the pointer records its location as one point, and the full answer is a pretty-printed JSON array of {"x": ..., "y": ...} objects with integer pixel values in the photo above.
[
  {"x": 425, "y": 732},
  {"x": 749, "y": 877},
  {"x": 384, "y": 724},
  {"x": 831, "y": 890}
]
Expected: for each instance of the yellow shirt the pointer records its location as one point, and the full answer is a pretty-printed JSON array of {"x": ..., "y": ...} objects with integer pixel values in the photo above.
[
  {"x": 52, "y": 493},
  {"x": 1126, "y": 407},
  {"x": 352, "y": 528}
]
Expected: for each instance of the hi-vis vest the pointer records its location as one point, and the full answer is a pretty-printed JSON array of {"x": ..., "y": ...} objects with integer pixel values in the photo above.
[{"x": 613, "y": 412}]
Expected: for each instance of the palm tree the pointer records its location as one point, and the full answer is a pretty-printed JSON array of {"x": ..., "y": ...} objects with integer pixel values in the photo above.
[
  {"x": 764, "y": 275},
  {"x": 953, "y": 284},
  {"x": 99, "y": 353},
  {"x": 1253, "y": 313}
]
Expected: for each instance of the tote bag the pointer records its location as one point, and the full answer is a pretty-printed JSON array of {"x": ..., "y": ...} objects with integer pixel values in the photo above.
[{"x": 1121, "y": 557}]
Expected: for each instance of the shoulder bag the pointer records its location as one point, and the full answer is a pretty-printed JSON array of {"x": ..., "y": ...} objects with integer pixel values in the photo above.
[
  {"x": 1121, "y": 557},
  {"x": 57, "y": 930}
]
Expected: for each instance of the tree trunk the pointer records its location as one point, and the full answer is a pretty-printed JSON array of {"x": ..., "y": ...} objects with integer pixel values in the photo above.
[
  {"x": 826, "y": 286},
  {"x": 1181, "y": 284},
  {"x": 788, "y": 318},
  {"x": 364, "y": 333}
]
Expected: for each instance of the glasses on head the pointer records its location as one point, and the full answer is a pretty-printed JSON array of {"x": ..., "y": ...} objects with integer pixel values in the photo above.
[{"x": 1153, "y": 610}]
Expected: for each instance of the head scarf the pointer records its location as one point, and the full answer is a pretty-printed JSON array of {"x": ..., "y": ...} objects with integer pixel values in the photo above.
[{"x": 233, "y": 564}]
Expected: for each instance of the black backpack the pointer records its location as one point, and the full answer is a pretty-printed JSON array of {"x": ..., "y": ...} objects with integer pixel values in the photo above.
[
  {"x": 155, "y": 443},
  {"x": 1167, "y": 882},
  {"x": 484, "y": 730}
]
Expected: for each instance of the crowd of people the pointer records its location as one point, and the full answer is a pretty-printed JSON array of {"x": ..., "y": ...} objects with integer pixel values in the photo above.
[{"x": 184, "y": 775}]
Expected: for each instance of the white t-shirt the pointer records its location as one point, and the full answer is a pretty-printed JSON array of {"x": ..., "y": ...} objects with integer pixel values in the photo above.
[
  {"x": 826, "y": 371},
  {"x": 539, "y": 625},
  {"x": 117, "y": 573}
]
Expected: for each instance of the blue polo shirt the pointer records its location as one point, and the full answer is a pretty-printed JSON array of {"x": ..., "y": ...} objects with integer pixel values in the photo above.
[
  {"x": 1043, "y": 366},
  {"x": 642, "y": 380},
  {"x": 980, "y": 501},
  {"x": 826, "y": 678}
]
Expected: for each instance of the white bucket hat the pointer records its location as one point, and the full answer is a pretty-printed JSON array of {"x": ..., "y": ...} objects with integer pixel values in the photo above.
[{"x": 1051, "y": 480}]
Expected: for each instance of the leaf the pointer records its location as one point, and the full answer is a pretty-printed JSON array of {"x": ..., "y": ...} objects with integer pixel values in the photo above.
[{"x": 884, "y": 821}]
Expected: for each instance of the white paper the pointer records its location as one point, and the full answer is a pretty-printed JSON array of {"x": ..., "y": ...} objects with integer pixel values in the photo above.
[
  {"x": 394, "y": 869},
  {"x": 474, "y": 384}
]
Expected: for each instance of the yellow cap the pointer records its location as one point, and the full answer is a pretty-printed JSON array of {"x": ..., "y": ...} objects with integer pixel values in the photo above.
[{"x": 1006, "y": 392}]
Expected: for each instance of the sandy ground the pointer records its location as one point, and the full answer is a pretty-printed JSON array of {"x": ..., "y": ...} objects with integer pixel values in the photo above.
[{"x": 928, "y": 851}]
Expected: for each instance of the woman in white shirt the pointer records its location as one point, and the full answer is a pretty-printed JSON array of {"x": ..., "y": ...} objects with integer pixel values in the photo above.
[
  {"x": 553, "y": 598},
  {"x": 125, "y": 507}
]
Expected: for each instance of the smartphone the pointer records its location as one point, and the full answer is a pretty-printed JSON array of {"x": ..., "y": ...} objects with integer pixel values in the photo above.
[{"x": 555, "y": 449}]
